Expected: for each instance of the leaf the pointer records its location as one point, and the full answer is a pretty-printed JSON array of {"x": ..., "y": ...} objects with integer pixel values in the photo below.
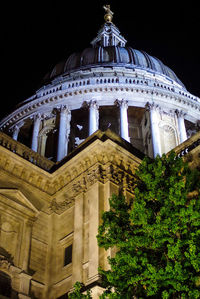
[{"x": 156, "y": 235}]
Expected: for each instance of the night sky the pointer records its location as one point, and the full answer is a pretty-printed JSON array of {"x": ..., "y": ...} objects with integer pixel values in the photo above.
[{"x": 35, "y": 36}]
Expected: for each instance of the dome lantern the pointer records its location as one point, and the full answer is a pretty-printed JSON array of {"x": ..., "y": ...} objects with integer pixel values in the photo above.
[{"x": 109, "y": 34}]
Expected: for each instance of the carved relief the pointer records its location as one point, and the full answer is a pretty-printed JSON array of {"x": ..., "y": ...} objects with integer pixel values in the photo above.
[
  {"x": 59, "y": 207},
  {"x": 4, "y": 263}
]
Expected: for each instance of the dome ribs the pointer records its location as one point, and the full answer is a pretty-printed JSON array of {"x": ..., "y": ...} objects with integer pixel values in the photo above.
[
  {"x": 113, "y": 56},
  {"x": 134, "y": 56},
  {"x": 149, "y": 61}
]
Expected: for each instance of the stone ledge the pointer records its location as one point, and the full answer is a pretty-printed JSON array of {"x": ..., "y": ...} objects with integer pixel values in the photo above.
[{"x": 25, "y": 152}]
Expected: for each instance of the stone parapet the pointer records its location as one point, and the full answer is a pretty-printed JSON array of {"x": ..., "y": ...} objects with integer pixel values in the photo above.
[
  {"x": 25, "y": 152},
  {"x": 189, "y": 145},
  {"x": 190, "y": 151}
]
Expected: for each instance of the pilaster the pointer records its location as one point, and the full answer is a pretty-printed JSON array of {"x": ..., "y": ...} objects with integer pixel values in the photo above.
[
  {"x": 27, "y": 244},
  {"x": 93, "y": 194},
  {"x": 77, "y": 255}
]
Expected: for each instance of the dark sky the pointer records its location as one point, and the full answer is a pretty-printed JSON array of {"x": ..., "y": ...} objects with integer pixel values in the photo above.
[{"x": 35, "y": 36}]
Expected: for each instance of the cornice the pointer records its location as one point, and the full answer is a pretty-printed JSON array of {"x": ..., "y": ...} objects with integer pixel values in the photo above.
[
  {"x": 101, "y": 162},
  {"x": 101, "y": 158},
  {"x": 96, "y": 159},
  {"x": 46, "y": 103},
  {"x": 19, "y": 171}
]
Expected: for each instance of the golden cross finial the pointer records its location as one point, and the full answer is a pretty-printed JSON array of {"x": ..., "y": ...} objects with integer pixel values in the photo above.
[{"x": 109, "y": 14}]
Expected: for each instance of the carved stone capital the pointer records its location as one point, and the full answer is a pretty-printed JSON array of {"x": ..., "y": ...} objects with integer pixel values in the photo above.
[
  {"x": 180, "y": 113},
  {"x": 16, "y": 127},
  {"x": 90, "y": 104},
  {"x": 36, "y": 117},
  {"x": 152, "y": 106},
  {"x": 122, "y": 103},
  {"x": 93, "y": 104},
  {"x": 63, "y": 109}
]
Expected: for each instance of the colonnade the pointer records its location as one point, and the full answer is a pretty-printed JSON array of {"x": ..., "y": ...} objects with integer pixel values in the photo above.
[
  {"x": 154, "y": 121},
  {"x": 65, "y": 119},
  {"x": 94, "y": 118}
]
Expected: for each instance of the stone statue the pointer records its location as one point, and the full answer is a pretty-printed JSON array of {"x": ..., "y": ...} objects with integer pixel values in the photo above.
[{"x": 109, "y": 14}]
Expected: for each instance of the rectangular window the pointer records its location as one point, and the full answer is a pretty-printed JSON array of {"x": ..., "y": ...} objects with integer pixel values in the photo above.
[{"x": 68, "y": 255}]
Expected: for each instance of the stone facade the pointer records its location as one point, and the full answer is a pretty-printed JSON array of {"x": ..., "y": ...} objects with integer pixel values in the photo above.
[
  {"x": 65, "y": 150},
  {"x": 44, "y": 211}
]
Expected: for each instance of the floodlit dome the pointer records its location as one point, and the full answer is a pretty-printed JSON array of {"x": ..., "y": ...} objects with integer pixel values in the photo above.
[
  {"x": 109, "y": 50},
  {"x": 66, "y": 149},
  {"x": 111, "y": 56},
  {"x": 107, "y": 86}
]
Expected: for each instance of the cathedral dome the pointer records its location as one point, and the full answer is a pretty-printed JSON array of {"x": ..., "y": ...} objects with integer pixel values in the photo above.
[
  {"x": 111, "y": 56},
  {"x": 109, "y": 50},
  {"x": 108, "y": 85}
]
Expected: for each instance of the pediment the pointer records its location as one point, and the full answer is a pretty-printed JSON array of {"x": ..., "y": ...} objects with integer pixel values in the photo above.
[{"x": 15, "y": 199}]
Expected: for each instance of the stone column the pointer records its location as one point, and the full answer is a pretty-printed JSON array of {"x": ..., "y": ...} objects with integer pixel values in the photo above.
[
  {"x": 15, "y": 132},
  {"x": 36, "y": 128},
  {"x": 181, "y": 125},
  {"x": 63, "y": 134},
  {"x": 123, "y": 119},
  {"x": 93, "y": 117},
  {"x": 155, "y": 134},
  {"x": 77, "y": 255}
]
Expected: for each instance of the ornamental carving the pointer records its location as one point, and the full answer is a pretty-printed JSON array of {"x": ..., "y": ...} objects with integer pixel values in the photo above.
[
  {"x": 5, "y": 259},
  {"x": 152, "y": 106},
  {"x": 59, "y": 207},
  {"x": 93, "y": 166},
  {"x": 4, "y": 263},
  {"x": 122, "y": 103}
]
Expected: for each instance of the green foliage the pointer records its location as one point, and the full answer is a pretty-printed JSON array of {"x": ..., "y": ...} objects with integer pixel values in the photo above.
[
  {"x": 77, "y": 293},
  {"x": 157, "y": 235}
]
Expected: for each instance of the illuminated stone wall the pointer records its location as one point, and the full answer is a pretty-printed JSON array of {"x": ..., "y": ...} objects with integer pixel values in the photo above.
[{"x": 45, "y": 211}]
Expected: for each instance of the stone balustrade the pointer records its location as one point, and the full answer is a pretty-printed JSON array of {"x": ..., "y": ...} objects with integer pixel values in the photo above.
[
  {"x": 188, "y": 146},
  {"x": 25, "y": 152}
]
